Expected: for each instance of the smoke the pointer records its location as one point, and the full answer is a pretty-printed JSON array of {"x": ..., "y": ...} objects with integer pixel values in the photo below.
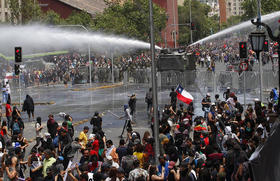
[{"x": 39, "y": 38}]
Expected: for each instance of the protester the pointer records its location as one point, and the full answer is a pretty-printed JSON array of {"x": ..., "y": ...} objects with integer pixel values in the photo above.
[
  {"x": 28, "y": 106},
  {"x": 52, "y": 126},
  {"x": 38, "y": 127},
  {"x": 83, "y": 137},
  {"x": 132, "y": 106},
  {"x": 96, "y": 122},
  {"x": 149, "y": 100},
  {"x": 9, "y": 113}
]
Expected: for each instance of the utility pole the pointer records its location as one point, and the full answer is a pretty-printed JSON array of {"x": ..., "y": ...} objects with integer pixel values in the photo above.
[
  {"x": 190, "y": 5},
  {"x": 174, "y": 22},
  {"x": 260, "y": 54},
  {"x": 154, "y": 85}
]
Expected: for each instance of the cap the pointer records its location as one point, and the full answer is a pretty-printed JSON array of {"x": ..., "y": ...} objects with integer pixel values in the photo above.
[
  {"x": 213, "y": 104},
  {"x": 228, "y": 87},
  {"x": 91, "y": 136},
  {"x": 17, "y": 144},
  {"x": 208, "y": 94},
  {"x": 47, "y": 134},
  {"x": 171, "y": 164},
  {"x": 256, "y": 100}
]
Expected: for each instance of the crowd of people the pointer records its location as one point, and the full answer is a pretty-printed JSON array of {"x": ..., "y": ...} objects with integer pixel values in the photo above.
[
  {"x": 74, "y": 68},
  {"x": 215, "y": 146},
  {"x": 227, "y": 51}
]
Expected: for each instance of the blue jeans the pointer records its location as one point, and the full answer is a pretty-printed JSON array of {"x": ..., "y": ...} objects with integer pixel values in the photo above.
[{"x": 5, "y": 98}]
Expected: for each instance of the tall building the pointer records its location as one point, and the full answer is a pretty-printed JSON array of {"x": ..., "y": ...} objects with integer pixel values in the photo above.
[
  {"x": 169, "y": 35},
  {"x": 234, "y": 8}
]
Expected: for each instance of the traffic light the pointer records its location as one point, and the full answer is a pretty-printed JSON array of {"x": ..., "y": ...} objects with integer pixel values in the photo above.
[
  {"x": 242, "y": 49},
  {"x": 192, "y": 26},
  {"x": 17, "y": 69},
  {"x": 265, "y": 46},
  {"x": 18, "y": 55}
]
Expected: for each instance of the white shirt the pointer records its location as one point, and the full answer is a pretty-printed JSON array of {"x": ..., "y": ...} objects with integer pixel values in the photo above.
[
  {"x": 8, "y": 88},
  {"x": 38, "y": 133}
]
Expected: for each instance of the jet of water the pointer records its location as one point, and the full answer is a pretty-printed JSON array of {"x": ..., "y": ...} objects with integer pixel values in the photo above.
[
  {"x": 240, "y": 27},
  {"x": 40, "y": 38}
]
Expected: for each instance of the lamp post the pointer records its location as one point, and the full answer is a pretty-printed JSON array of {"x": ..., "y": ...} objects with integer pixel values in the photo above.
[
  {"x": 277, "y": 39},
  {"x": 88, "y": 48},
  {"x": 257, "y": 42},
  {"x": 190, "y": 6}
]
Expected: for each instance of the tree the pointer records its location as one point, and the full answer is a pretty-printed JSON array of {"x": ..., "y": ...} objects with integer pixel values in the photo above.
[
  {"x": 204, "y": 25},
  {"x": 52, "y": 18},
  {"x": 15, "y": 11},
  {"x": 25, "y": 12},
  {"x": 267, "y": 6},
  {"x": 80, "y": 18},
  {"x": 131, "y": 19},
  {"x": 30, "y": 11}
]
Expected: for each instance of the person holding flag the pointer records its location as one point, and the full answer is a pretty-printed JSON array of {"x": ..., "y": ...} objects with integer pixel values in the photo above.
[{"x": 183, "y": 95}]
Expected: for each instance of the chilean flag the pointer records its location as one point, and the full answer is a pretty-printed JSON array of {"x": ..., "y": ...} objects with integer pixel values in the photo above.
[{"x": 183, "y": 95}]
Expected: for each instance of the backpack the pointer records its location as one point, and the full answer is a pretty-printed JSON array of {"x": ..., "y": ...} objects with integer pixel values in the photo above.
[{"x": 16, "y": 128}]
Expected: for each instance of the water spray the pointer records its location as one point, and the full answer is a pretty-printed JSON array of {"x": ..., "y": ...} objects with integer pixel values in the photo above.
[{"x": 40, "y": 38}]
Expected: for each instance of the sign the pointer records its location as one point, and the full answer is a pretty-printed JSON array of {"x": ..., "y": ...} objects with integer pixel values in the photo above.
[{"x": 243, "y": 66}]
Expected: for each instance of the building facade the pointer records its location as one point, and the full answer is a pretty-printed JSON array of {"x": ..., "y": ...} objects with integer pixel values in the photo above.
[
  {"x": 234, "y": 8},
  {"x": 169, "y": 35}
]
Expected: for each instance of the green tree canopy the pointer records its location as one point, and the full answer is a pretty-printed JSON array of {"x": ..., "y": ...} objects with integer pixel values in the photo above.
[
  {"x": 204, "y": 25},
  {"x": 52, "y": 18},
  {"x": 80, "y": 18},
  {"x": 131, "y": 19},
  {"x": 26, "y": 12},
  {"x": 267, "y": 6}
]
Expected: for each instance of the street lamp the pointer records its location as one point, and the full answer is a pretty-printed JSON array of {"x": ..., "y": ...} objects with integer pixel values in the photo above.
[
  {"x": 88, "y": 48},
  {"x": 257, "y": 41},
  {"x": 277, "y": 39}
]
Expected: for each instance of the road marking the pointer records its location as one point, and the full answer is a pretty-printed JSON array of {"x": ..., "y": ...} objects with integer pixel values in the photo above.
[{"x": 96, "y": 88}]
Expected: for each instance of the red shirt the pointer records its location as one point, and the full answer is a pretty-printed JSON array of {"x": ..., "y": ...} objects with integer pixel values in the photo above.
[
  {"x": 8, "y": 110},
  {"x": 95, "y": 145}
]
